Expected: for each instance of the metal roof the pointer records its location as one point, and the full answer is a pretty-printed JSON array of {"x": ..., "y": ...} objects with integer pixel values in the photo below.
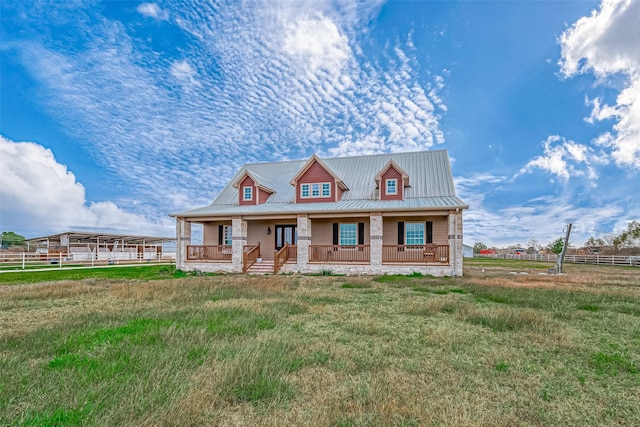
[
  {"x": 431, "y": 186},
  {"x": 88, "y": 237}
]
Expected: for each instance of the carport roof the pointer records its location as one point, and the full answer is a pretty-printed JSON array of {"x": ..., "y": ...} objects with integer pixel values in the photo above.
[{"x": 92, "y": 237}]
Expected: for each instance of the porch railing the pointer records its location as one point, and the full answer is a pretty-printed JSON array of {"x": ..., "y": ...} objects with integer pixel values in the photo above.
[
  {"x": 249, "y": 256},
  {"x": 419, "y": 253},
  {"x": 209, "y": 253},
  {"x": 281, "y": 257},
  {"x": 338, "y": 254}
]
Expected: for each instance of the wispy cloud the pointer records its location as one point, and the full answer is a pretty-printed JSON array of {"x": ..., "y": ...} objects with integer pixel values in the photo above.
[{"x": 284, "y": 78}]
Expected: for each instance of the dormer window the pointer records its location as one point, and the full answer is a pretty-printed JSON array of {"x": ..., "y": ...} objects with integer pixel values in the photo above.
[
  {"x": 392, "y": 186},
  {"x": 315, "y": 190},
  {"x": 247, "y": 193}
]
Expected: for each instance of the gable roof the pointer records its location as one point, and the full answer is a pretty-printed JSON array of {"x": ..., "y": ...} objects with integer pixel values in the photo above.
[
  {"x": 310, "y": 162},
  {"x": 432, "y": 185},
  {"x": 258, "y": 181},
  {"x": 392, "y": 163}
]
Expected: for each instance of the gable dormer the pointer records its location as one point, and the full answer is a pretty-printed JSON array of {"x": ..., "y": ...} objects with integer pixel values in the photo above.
[
  {"x": 252, "y": 189},
  {"x": 316, "y": 182},
  {"x": 391, "y": 181}
]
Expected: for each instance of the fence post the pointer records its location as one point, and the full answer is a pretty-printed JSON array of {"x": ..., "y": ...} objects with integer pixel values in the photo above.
[
  {"x": 60, "y": 260},
  {"x": 23, "y": 255}
]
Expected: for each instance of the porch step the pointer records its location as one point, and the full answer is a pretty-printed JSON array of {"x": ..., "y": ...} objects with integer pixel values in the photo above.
[{"x": 264, "y": 267}]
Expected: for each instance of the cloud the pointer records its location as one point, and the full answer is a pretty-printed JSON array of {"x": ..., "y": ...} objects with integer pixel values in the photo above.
[
  {"x": 39, "y": 195},
  {"x": 606, "y": 43},
  {"x": 241, "y": 84},
  {"x": 564, "y": 159},
  {"x": 152, "y": 10}
]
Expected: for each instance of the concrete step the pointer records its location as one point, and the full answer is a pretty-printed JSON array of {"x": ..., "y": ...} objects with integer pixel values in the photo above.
[{"x": 264, "y": 267}]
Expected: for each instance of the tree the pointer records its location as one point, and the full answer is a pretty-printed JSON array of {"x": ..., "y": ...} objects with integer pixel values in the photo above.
[
  {"x": 556, "y": 246},
  {"x": 629, "y": 238},
  {"x": 9, "y": 238},
  {"x": 477, "y": 247},
  {"x": 594, "y": 242}
]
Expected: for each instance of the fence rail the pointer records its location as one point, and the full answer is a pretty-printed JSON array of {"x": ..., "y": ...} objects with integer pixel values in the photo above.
[
  {"x": 209, "y": 253},
  {"x": 621, "y": 260},
  {"x": 35, "y": 261}
]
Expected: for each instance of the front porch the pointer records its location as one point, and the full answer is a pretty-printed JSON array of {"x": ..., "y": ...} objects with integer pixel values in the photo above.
[{"x": 373, "y": 244}]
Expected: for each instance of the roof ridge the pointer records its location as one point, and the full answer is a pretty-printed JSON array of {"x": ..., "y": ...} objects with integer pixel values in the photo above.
[{"x": 348, "y": 157}]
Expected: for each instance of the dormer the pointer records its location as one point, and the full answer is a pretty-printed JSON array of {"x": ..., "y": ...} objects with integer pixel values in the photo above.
[
  {"x": 391, "y": 181},
  {"x": 252, "y": 189},
  {"x": 316, "y": 182}
]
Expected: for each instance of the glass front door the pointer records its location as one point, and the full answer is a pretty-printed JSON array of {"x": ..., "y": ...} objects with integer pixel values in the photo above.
[{"x": 286, "y": 234}]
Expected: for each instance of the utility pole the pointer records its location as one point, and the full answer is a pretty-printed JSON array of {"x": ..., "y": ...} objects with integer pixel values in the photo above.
[{"x": 564, "y": 248}]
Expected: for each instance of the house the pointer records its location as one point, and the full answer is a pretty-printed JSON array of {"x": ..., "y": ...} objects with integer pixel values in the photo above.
[
  {"x": 467, "y": 251},
  {"x": 387, "y": 213}
]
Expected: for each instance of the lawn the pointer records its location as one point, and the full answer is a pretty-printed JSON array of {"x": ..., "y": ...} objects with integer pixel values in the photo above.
[{"x": 503, "y": 345}]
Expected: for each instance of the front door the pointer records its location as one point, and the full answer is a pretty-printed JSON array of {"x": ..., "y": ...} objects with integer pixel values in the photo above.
[{"x": 286, "y": 234}]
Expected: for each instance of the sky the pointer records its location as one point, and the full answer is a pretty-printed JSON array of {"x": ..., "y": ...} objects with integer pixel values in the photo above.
[{"x": 114, "y": 114}]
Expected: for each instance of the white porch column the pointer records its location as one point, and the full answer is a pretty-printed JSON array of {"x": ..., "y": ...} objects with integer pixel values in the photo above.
[
  {"x": 239, "y": 240},
  {"x": 183, "y": 238},
  {"x": 304, "y": 240},
  {"x": 375, "y": 239},
  {"x": 455, "y": 242}
]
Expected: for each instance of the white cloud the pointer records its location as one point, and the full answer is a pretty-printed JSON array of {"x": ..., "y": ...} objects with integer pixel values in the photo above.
[
  {"x": 606, "y": 43},
  {"x": 184, "y": 72},
  {"x": 564, "y": 159},
  {"x": 152, "y": 10},
  {"x": 39, "y": 195}
]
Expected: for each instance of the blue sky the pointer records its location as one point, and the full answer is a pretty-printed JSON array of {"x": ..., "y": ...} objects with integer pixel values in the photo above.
[{"x": 115, "y": 114}]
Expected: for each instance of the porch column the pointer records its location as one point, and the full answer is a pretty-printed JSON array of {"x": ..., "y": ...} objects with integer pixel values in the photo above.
[
  {"x": 183, "y": 238},
  {"x": 455, "y": 242},
  {"x": 375, "y": 238},
  {"x": 238, "y": 241},
  {"x": 304, "y": 240}
]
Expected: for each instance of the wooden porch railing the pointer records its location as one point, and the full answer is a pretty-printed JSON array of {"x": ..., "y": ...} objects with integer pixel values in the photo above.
[
  {"x": 429, "y": 253},
  {"x": 286, "y": 253},
  {"x": 209, "y": 253},
  {"x": 337, "y": 253},
  {"x": 249, "y": 256}
]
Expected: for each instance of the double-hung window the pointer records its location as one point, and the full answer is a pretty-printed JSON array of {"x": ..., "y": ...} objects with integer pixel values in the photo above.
[
  {"x": 414, "y": 233},
  {"x": 315, "y": 190},
  {"x": 247, "y": 193},
  {"x": 326, "y": 189},
  {"x": 392, "y": 186},
  {"x": 348, "y": 234}
]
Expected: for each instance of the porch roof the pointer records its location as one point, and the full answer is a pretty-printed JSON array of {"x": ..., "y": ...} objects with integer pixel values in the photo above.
[{"x": 343, "y": 206}]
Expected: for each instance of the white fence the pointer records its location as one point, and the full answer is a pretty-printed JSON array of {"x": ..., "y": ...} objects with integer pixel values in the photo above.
[
  {"x": 622, "y": 260},
  {"x": 30, "y": 260}
]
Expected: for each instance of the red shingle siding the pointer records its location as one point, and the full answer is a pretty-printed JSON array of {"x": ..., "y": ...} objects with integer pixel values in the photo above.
[
  {"x": 315, "y": 174},
  {"x": 391, "y": 173},
  {"x": 246, "y": 182}
]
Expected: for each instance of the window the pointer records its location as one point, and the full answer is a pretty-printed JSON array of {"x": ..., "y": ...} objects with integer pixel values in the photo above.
[
  {"x": 315, "y": 190},
  {"x": 415, "y": 233},
  {"x": 247, "y": 193},
  {"x": 304, "y": 190},
  {"x": 392, "y": 186},
  {"x": 226, "y": 235},
  {"x": 348, "y": 234}
]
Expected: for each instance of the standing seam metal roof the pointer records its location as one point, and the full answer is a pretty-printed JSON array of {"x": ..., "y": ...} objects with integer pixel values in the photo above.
[{"x": 429, "y": 175}]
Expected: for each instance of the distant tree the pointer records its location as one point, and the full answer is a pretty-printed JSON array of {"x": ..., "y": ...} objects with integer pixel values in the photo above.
[
  {"x": 9, "y": 238},
  {"x": 629, "y": 238},
  {"x": 594, "y": 242},
  {"x": 533, "y": 243},
  {"x": 477, "y": 247},
  {"x": 556, "y": 246}
]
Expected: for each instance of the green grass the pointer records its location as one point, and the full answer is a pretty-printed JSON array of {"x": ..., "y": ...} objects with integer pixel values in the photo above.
[
  {"x": 145, "y": 272},
  {"x": 282, "y": 350}
]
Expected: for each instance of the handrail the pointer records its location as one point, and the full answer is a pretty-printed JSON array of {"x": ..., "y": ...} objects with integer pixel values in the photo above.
[
  {"x": 280, "y": 258},
  {"x": 429, "y": 253},
  {"x": 209, "y": 253},
  {"x": 339, "y": 253},
  {"x": 250, "y": 254}
]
